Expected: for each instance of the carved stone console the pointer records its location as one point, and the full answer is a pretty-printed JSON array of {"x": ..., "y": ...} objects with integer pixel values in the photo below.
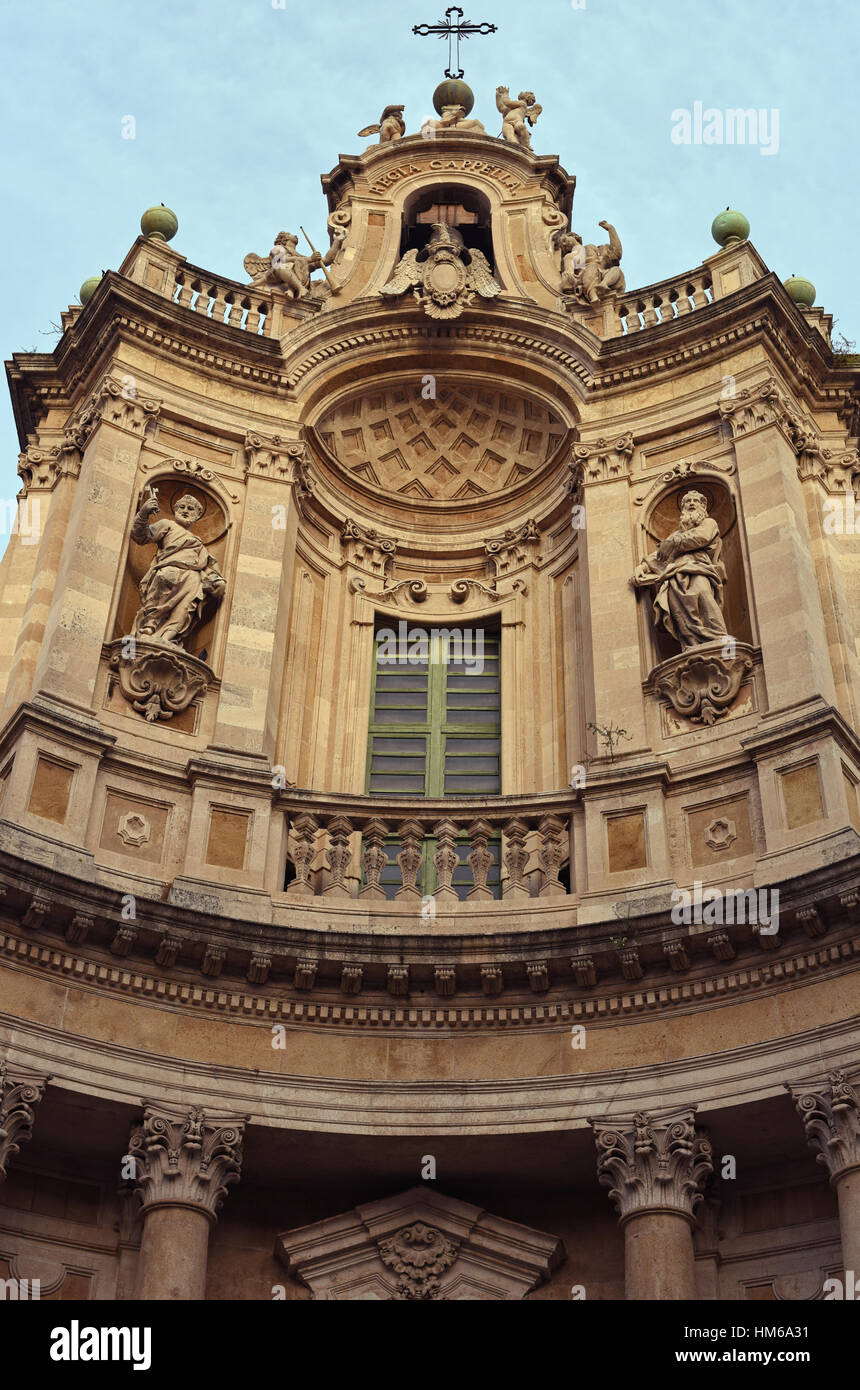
[
  {"x": 701, "y": 684},
  {"x": 158, "y": 681}
]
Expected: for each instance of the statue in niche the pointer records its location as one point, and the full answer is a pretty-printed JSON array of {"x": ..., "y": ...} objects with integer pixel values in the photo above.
[
  {"x": 181, "y": 577},
  {"x": 688, "y": 575},
  {"x": 515, "y": 114},
  {"x": 590, "y": 273},
  {"x": 390, "y": 126}
]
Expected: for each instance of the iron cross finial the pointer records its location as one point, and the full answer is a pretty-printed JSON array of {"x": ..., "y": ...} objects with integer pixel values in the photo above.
[{"x": 454, "y": 31}]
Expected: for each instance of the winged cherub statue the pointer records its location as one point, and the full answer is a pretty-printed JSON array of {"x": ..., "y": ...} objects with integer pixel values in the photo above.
[
  {"x": 391, "y": 126},
  {"x": 285, "y": 266},
  {"x": 444, "y": 276},
  {"x": 515, "y": 114}
]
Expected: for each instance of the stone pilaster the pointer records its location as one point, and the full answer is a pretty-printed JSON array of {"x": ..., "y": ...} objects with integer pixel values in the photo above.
[
  {"x": 792, "y": 629},
  {"x": 830, "y": 1111},
  {"x": 185, "y": 1161},
  {"x": 599, "y": 486},
  {"x": 20, "y": 1093},
  {"x": 655, "y": 1168}
]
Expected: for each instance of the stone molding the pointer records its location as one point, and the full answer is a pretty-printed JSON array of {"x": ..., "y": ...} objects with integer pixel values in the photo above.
[
  {"x": 653, "y": 1162},
  {"x": 232, "y": 998},
  {"x": 757, "y": 407},
  {"x": 186, "y": 1157},
  {"x": 830, "y": 1111},
  {"x": 419, "y": 1246},
  {"x": 20, "y": 1092}
]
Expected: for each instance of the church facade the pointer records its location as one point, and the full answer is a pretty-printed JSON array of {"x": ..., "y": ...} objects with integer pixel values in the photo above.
[{"x": 429, "y": 826}]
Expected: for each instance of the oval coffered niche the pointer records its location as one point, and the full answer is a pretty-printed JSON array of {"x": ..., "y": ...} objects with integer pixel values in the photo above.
[{"x": 438, "y": 443}]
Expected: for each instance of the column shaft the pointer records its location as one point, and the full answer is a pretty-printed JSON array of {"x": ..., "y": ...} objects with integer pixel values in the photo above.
[{"x": 173, "y": 1253}]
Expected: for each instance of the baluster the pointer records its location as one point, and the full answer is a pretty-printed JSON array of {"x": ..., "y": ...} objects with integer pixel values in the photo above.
[
  {"x": 373, "y": 858},
  {"x": 700, "y": 299},
  {"x": 338, "y": 856},
  {"x": 303, "y": 833},
  {"x": 410, "y": 858},
  {"x": 202, "y": 298},
  {"x": 446, "y": 860},
  {"x": 252, "y": 322},
  {"x": 219, "y": 304},
  {"x": 269, "y": 322},
  {"x": 516, "y": 858},
  {"x": 550, "y": 855},
  {"x": 667, "y": 305},
  {"x": 632, "y": 313},
  {"x": 235, "y": 316},
  {"x": 684, "y": 305},
  {"x": 480, "y": 860},
  {"x": 186, "y": 294},
  {"x": 650, "y": 315}
]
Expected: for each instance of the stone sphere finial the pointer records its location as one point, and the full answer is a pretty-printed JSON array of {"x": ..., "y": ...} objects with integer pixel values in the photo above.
[
  {"x": 802, "y": 291},
  {"x": 730, "y": 227},
  {"x": 453, "y": 92},
  {"x": 159, "y": 223},
  {"x": 88, "y": 288}
]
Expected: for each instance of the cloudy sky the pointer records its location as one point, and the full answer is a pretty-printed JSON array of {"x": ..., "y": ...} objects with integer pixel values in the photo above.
[{"x": 240, "y": 105}]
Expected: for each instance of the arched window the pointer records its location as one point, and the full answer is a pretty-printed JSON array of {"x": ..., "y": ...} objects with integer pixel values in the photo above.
[{"x": 464, "y": 208}]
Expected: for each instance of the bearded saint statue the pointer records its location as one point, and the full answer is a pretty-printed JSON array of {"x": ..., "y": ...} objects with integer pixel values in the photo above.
[
  {"x": 688, "y": 577},
  {"x": 182, "y": 574}
]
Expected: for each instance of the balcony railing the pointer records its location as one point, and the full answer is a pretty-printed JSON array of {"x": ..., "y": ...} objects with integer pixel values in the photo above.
[{"x": 444, "y": 851}]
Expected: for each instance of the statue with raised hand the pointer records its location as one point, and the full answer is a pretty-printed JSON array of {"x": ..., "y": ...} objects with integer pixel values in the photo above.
[{"x": 182, "y": 575}]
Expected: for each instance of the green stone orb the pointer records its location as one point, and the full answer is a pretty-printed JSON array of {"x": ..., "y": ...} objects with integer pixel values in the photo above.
[
  {"x": 729, "y": 227},
  {"x": 802, "y": 291},
  {"x": 453, "y": 92},
  {"x": 159, "y": 223},
  {"x": 88, "y": 288}
]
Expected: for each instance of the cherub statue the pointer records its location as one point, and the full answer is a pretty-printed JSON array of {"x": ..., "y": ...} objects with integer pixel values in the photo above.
[
  {"x": 391, "y": 126},
  {"x": 589, "y": 273},
  {"x": 688, "y": 576},
  {"x": 284, "y": 266},
  {"x": 515, "y": 114},
  {"x": 182, "y": 574},
  {"x": 445, "y": 276},
  {"x": 453, "y": 119}
]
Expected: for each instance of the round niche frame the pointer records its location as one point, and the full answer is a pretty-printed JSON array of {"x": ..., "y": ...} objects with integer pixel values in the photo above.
[
  {"x": 662, "y": 505},
  {"x": 466, "y": 447},
  {"x": 172, "y": 479}
]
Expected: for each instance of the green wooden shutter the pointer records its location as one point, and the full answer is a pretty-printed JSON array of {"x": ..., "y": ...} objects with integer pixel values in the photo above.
[{"x": 435, "y": 729}]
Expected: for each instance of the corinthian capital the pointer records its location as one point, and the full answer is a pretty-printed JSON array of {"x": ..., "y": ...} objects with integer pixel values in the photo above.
[
  {"x": 653, "y": 1163},
  {"x": 185, "y": 1157},
  {"x": 830, "y": 1111},
  {"x": 601, "y": 460},
  {"x": 20, "y": 1092}
]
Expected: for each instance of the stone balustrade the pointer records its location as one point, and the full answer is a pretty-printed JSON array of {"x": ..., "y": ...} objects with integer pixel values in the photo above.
[
  {"x": 451, "y": 852},
  {"x": 636, "y": 310},
  {"x": 224, "y": 301}
]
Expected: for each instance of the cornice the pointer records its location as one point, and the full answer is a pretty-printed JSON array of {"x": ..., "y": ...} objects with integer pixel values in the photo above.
[{"x": 745, "y": 1074}]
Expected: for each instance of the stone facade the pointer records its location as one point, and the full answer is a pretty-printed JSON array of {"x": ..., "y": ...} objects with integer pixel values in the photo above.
[{"x": 207, "y": 940}]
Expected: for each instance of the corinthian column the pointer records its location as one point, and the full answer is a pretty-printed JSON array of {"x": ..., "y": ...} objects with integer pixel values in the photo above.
[
  {"x": 20, "y": 1093},
  {"x": 655, "y": 1168},
  {"x": 185, "y": 1161},
  {"x": 830, "y": 1111}
]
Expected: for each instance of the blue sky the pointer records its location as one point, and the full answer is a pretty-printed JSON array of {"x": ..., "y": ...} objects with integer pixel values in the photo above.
[{"x": 240, "y": 106}]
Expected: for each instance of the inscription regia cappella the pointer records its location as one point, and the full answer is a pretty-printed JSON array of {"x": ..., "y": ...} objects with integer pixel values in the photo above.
[{"x": 474, "y": 166}]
